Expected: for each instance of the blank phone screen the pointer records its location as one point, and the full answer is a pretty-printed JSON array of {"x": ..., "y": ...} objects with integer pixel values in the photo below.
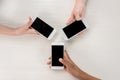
[
  {"x": 42, "y": 27},
  {"x": 74, "y": 28},
  {"x": 57, "y": 52}
]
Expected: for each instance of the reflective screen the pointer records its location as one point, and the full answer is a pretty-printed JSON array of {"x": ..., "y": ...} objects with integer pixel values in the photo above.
[
  {"x": 74, "y": 28},
  {"x": 57, "y": 52},
  {"x": 42, "y": 27}
]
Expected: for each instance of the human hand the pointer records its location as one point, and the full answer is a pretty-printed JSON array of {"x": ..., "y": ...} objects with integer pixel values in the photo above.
[
  {"x": 73, "y": 69},
  {"x": 69, "y": 65},
  {"x": 25, "y": 29},
  {"x": 78, "y": 11}
]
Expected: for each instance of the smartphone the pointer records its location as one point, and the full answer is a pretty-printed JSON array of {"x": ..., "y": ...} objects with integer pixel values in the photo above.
[
  {"x": 57, "y": 52},
  {"x": 72, "y": 29},
  {"x": 43, "y": 28}
]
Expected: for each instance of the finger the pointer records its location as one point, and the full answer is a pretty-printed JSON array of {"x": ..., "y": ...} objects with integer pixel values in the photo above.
[
  {"x": 82, "y": 13},
  {"x": 70, "y": 20},
  {"x": 49, "y": 62},
  {"x": 63, "y": 61},
  {"x": 50, "y": 58},
  {"x": 77, "y": 17},
  {"x": 30, "y": 22},
  {"x": 31, "y": 31}
]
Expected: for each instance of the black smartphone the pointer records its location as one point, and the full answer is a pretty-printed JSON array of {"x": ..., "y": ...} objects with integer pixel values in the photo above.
[
  {"x": 57, "y": 52},
  {"x": 43, "y": 28},
  {"x": 72, "y": 29}
]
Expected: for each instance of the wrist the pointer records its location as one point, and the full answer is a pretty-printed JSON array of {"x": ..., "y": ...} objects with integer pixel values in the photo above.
[
  {"x": 81, "y": 75},
  {"x": 85, "y": 76},
  {"x": 15, "y": 32},
  {"x": 78, "y": 72}
]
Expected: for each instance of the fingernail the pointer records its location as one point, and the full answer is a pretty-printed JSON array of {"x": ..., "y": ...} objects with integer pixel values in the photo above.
[{"x": 60, "y": 59}]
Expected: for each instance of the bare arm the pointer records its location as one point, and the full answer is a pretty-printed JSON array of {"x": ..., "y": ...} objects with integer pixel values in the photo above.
[
  {"x": 7, "y": 30},
  {"x": 78, "y": 11},
  {"x": 73, "y": 69},
  {"x": 24, "y": 29}
]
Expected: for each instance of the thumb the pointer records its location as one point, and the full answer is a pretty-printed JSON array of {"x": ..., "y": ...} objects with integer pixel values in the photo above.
[
  {"x": 77, "y": 17},
  {"x": 63, "y": 61},
  {"x": 30, "y": 22},
  {"x": 70, "y": 20}
]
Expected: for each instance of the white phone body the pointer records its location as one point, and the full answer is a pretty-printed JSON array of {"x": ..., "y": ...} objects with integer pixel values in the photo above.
[
  {"x": 65, "y": 36},
  {"x": 52, "y": 34},
  {"x": 43, "y": 28},
  {"x": 57, "y": 44}
]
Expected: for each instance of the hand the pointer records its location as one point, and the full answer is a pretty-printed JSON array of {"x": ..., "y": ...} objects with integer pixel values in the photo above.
[
  {"x": 25, "y": 29},
  {"x": 73, "y": 69},
  {"x": 78, "y": 11},
  {"x": 68, "y": 64}
]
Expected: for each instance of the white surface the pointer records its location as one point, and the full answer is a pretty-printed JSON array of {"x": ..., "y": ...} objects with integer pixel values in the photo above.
[{"x": 96, "y": 52}]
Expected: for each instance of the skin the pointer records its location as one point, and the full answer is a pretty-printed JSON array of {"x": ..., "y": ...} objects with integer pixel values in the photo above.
[
  {"x": 24, "y": 29},
  {"x": 78, "y": 11},
  {"x": 73, "y": 69},
  {"x": 70, "y": 66},
  {"x": 77, "y": 14}
]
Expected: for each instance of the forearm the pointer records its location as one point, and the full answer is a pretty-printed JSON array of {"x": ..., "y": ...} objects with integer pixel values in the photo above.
[
  {"x": 7, "y": 30},
  {"x": 84, "y": 76}
]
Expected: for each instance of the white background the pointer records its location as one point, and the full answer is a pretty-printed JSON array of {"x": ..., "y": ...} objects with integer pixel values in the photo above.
[{"x": 97, "y": 51}]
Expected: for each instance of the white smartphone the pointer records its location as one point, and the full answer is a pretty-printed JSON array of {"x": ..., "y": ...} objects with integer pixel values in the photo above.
[
  {"x": 57, "y": 52},
  {"x": 73, "y": 29},
  {"x": 43, "y": 28}
]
